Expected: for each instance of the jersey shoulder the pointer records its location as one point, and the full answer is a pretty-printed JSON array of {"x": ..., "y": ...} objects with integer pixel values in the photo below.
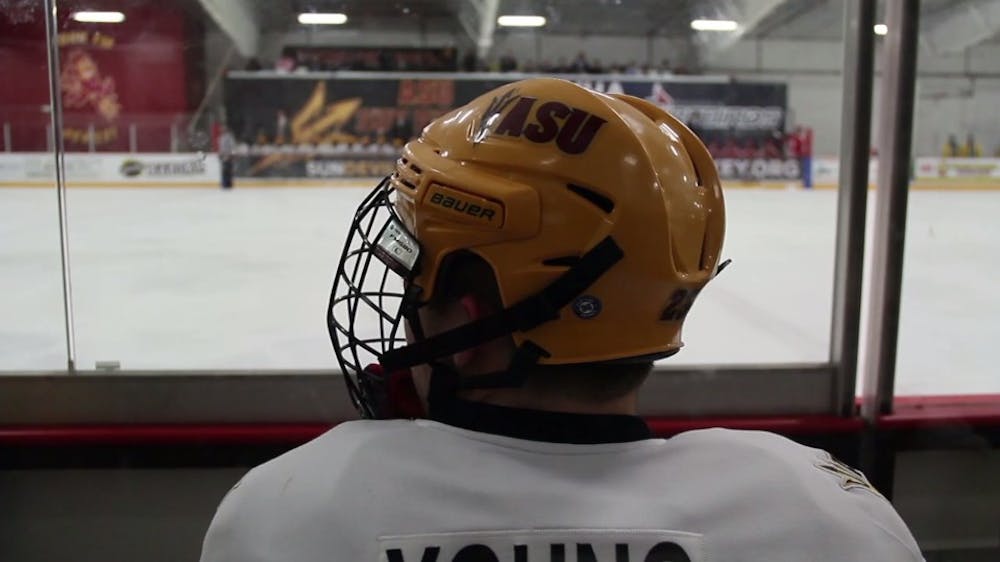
[
  {"x": 820, "y": 492},
  {"x": 327, "y": 455},
  {"x": 248, "y": 522}
]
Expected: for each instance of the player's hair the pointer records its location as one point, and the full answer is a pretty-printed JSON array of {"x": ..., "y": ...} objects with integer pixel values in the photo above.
[{"x": 464, "y": 274}]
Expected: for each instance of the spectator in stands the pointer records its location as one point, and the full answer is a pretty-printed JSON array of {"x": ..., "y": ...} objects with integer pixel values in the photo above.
[
  {"x": 664, "y": 67},
  {"x": 971, "y": 149},
  {"x": 227, "y": 144},
  {"x": 729, "y": 148},
  {"x": 595, "y": 67},
  {"x": 800, "y": 148},
  {"x": 632, "y": 67},
  {"x": 507, "y": 62},
  {"x": 446, "y": 59},
  {"x": 579, "y": 64},
  {"x": 773, "y": 145},
  {"x": 470, "y": 62},
  {"x": 714, "y": 148},
  {"x": 746, "y": 149},
  {"x": 281, "y": 127},
  {"x": 950, "y": 148},
  {"x": 286, "y": 62},
  {"x": 386, "y": 61},
  {"x": 696, "y": 126},
  {"x": 793, "y": 143},
  {"x": 402, "y": 128}
]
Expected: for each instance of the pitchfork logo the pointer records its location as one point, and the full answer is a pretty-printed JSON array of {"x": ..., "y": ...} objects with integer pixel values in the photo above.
[
  {"x": 539, "y": 121},
  {"x": 492, "y": 114}
]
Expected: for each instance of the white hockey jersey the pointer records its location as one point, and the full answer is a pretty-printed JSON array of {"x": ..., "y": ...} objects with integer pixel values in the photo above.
[{"x": 422, "y": 491}]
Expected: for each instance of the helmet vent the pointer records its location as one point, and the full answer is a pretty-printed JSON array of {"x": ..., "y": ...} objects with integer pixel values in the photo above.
[
  {"x": 416, "y": 168},
  {"x": 561, "y": 261},
  {"x": 601, "y": 202},
  {"x": 703, "y": 260}
]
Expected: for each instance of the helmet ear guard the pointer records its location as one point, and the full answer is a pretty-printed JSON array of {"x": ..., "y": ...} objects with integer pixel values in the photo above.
[{"x": 529, "y": 313}]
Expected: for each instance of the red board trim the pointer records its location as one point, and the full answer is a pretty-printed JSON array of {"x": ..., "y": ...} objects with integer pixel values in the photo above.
[{"x": 911, "y": 413}]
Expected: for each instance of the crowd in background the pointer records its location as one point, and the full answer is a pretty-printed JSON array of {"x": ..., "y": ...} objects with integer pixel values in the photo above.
[
  {"x": 968, "y": 149},
  {"x": 294, "y": 59},
  {"x": 580, "y": 64},
  {"x": 797, "y": 143},
  {"x": 733, "y": 143}
]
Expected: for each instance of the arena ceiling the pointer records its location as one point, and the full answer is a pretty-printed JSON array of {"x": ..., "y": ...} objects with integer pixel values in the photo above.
[{"x": 951, "y": 25}]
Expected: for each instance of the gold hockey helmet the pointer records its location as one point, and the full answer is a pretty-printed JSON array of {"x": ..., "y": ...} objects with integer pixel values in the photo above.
[{"x": 601, "y": 216}]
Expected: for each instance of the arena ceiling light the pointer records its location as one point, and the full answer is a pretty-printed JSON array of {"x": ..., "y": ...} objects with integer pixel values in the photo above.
[
  {"x": 98, "y": 17},
  {"x": 321, "y": 18},
  {"x": 881, "y": 29},
  {"x": 521, "y": 21},
  {"x": 714, "y": 25}
]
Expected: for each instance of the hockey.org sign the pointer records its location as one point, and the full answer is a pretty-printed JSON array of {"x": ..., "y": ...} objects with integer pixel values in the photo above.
[
  {"x": 577, "y": 545},
  {"x": 757, "y": 169}
]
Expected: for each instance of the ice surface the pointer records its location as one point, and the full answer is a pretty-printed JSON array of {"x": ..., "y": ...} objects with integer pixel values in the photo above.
[{"x": 198, "y": 278}]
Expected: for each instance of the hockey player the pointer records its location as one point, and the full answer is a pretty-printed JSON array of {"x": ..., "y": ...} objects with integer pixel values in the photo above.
[{"x": 509, "y": 286}]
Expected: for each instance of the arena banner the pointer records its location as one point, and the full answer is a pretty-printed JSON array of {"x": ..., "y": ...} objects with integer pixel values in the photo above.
[
  {"x": 957, "y": 169},
  {"x": 111, "y": 169},
  {"x": 760, "y": 169},
  {"x": 826, "y": 170},
  {"x": 330, "y": 125}
]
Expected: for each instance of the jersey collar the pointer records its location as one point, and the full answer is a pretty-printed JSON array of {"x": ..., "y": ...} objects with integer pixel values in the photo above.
[{"x": 538, "y": 425}]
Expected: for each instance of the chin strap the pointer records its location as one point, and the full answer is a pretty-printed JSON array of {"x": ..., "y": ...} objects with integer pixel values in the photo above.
[{"x": 537, "y": 309}]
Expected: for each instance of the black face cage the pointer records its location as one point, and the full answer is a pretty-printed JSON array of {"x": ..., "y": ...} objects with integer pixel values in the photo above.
[{"x": 371, "y": 296}]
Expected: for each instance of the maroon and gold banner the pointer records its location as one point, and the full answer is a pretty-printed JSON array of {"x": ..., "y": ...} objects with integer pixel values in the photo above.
[
  {"x": 88, "y": 95},
  {"x": 111, "y": 77}
]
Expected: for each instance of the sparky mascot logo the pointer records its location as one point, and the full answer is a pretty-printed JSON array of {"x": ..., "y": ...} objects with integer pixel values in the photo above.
[{"x": 572, "y": 128}]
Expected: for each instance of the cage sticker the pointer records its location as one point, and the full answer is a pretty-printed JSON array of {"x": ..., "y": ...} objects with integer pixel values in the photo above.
[{"x": 397, "y": 248}]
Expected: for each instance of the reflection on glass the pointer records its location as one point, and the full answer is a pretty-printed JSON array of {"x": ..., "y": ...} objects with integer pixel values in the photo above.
[{"x": 32, "y": 333}]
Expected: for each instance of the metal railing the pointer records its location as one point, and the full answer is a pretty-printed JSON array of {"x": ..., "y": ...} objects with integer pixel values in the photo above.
[{"x": 131, "y": 133}]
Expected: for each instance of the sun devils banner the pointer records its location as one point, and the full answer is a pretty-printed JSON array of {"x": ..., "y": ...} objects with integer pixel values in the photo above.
[
  {"x": 88, "y": 94},
  {"x": 333, "y": 125}
]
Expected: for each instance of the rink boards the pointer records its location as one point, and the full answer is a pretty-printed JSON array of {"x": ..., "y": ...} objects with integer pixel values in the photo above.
[
  {"x": 204, "y": 170},
  {"x": 206, "y": 279}
]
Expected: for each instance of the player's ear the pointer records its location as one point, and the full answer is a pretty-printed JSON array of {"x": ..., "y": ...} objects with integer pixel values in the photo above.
[{"x": 472, "y": 309}]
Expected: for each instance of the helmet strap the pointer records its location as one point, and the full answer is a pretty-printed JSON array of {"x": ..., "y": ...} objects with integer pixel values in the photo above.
[
  {"x": 446, "y": 382},
  {"x": 529, "y": 313}
]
